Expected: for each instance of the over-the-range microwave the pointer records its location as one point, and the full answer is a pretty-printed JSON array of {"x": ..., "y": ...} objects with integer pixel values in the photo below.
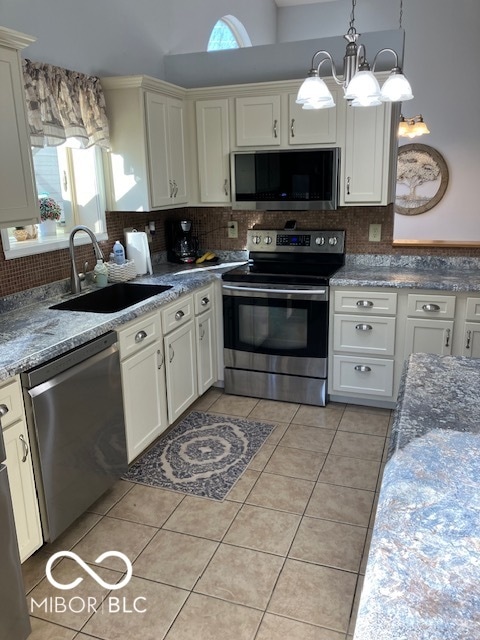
[{"x": 285, "y": 179}]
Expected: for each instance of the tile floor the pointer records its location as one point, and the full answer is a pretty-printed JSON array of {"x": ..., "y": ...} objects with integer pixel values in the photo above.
[{"x": 282, "y": 558}]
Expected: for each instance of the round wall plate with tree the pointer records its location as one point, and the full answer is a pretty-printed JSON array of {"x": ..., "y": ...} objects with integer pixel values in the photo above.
[{"x": 422, "y": 179}]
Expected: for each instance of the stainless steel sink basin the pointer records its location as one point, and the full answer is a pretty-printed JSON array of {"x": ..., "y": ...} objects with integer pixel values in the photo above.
[{"x": 113, "y": 298}]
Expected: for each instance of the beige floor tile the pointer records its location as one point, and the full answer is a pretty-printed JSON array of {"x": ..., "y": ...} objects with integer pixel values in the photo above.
[
  {"x": 278, "y": 433},
  {"x": 342, "y": 504},
  {"x": 296, "y": 463},
  {"x": 260, "y": 459},
  {"x": 205, "y": 618},
  {"x": 350, "y": 472},
  {"x": 111, "y": 534},
  {"x": 243, "y": 486},
  {"x": 276, "y": 628},
  {"x": 161, "y": 603},
  {"x": 147, "y": 505},
  {"x": 242, "y": 576},
  {"x": 263, "y": 529},
  {"x": 42, "y": 630},
  {"x": 357, "y": 445},
  {"x": 314, "y": 594},
  {"x": 207, "y": 399},
  {"x": 375, "y": 424},
  {"x": 233, "y": 405},
  {"x": 274, "y": 410},
  {"x": 202, "y": 517},
  {"x": 328, "y": 416},
  {"x": 365, "y": 409},
  {"x": 332, "y": 544},
  {"x": 73, "y": 534},
  {"x": 280, "y": 492},
  {"x": 301, "y": 436},
  {"x": 174, "y": 558},
  {"x": 111, "y": 497},
  {"x": 33, "y": 569}
]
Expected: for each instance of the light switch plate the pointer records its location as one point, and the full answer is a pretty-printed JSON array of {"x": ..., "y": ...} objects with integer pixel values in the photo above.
[{"x": 375, "y": 233}]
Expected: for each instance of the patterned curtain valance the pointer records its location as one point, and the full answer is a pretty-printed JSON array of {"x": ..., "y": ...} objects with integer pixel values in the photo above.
[{"x": 64, "y": 104}]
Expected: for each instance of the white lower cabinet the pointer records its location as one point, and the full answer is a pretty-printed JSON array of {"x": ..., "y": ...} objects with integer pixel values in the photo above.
[
  {"x": 470, "y": 338},
  {"x": 180, "y": 369},
  {"x": 429, "y": 325},
  {"x": 205, "y": 332},
  {"x": 20, "y": 470},
  {"x": 368, "y": 376}
]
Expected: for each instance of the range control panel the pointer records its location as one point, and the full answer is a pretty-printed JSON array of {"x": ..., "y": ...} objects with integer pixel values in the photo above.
[{"x": 305, "y": 241}]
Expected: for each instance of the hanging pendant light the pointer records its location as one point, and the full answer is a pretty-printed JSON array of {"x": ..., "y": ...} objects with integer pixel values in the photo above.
[{"x": 360, "y": 85}]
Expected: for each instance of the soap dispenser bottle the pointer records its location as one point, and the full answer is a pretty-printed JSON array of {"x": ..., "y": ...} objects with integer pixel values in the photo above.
[
  {"x": 100, "y": 273},
  {"x": 119, "y": 252}
]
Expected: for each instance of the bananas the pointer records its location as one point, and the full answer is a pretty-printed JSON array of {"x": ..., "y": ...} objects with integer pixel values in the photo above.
[{"x": 209, "y": 255}]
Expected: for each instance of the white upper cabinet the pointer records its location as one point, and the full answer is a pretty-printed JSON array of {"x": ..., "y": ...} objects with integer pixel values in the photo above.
[
  {"x": 18, "y": 204},
  {"x": 213, "y": 149},
  {"x": 257, "y": 120},
  {"x": 313, "y": 126}
]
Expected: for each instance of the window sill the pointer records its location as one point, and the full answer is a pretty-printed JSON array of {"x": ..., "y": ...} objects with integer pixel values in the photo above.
[{"x": 19, "y": 249}]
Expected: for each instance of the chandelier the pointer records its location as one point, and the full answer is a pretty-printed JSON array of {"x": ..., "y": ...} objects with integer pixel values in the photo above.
[
  {"x": 360, "y": 86},
  {"x": 412, "y": 127}
]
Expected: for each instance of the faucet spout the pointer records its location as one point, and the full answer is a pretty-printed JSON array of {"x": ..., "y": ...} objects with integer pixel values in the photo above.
[{"x": 75, "y": 283}]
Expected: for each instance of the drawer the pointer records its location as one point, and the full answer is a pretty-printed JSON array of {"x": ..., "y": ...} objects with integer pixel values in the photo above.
[
  {"x": 372, "y": 376},
  {"x": 138, "y": 334},
  {"x": 365, "y": 302},
  {"x": 421, "y": 306},
  {"x": 177, "y": 314},
  {"x": 473, "y": 309},
  {"x": 373, "y": 335},
  {"x": 203, "y": 300},
  {"x": 11, "y": 396}
]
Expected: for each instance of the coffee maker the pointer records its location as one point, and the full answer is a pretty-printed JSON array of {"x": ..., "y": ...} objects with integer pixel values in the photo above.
[{"x": 182, "y": 245}]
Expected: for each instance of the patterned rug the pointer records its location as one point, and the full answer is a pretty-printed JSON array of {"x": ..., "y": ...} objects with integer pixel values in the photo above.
[{"x": 203, "y": 455}]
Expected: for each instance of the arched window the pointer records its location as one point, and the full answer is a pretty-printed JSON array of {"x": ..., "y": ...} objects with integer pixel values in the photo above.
[{"x": 228, "y": 33}]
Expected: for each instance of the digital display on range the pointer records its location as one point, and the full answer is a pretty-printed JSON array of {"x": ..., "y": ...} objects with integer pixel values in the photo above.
[{"x": 299, "y": 240}]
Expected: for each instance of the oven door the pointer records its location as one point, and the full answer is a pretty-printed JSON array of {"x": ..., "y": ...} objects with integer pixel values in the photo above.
[{"x": 276, "y": 328}]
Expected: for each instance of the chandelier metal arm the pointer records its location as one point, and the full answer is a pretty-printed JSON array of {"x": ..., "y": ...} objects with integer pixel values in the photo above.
[
  {"x": 316, "y": 69},
  {"x": 382, "y": 51}
]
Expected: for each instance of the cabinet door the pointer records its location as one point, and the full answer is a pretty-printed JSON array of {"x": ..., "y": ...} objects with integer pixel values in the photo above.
[
  {"x": 471, "y": 340},
  {"x": 428, "y": 336},
  {"x": 176, "y": 150},
  {"x": 144, "y": 398},
  {"x": 213, "y": 148},
  {"x": 180, "y": 369},
  {"x": 312, "y": 126},
  {"x": 18, "y": 204},
  {"x": 22, "y": 487},
  {"x": 364, "y": 173},
  {"x": 206, "y": 351},
  {"x": 161, "y": 186},
  {"x": 258, "y": 121}
]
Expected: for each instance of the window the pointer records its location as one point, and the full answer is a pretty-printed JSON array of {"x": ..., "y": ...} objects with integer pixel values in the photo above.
[
  {"x": 74, "y": 179},
  {"x": 228, "y": 33}
]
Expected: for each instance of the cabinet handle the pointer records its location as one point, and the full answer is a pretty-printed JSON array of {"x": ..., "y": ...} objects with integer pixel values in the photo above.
[
  {"x": 171, "y": 188},
  {"x": 171, "y": 352},
  {"x": 225, "y": 186},
  {"x": 363, "y": 327},
  {"x": 162, "y": 359},
  {"x": 25, "y": 447},
  {"x": 469, "y": 338},
  {"x": 205, "y": 301},
  {"x": 275, "y": 134},
  {"x": 348, "y": 186},
  {"x": 292, "y": 129},
  {"x": 202, "y": 331},
  {"x": 175, "y": 189},
  {"x": 141, "y": 335},
  {"x": 65, "y": 181},
  {"x": 3, "y": 410},
  {"x": 430, "y": 307},
  {"x": 362, "y": 368},
  {"x": 179, "y": 315},
  {"x": 364, "y": 303},
  {"x": 447, "y": 334}
]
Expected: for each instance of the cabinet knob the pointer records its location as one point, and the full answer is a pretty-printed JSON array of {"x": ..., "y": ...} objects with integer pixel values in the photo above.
[
  {"x": 447, "y": 337},
  {"x": 25, "y": 447},
  {"x": 205, "y": 301},
  {"x": 362, "y": 368},
  {"x": 363, "y": 327},
  {"x": 179, "y": 315},
  {"x": 140, "y": 336},
  {"x": 275, "y": 132},
  {"x": 469, "y": 338},
  {"x": 3, "y": 409},
  {"x": 364, "y": 303},
  {"x": 348, "y": 186},
  {"x": 292, "y": 129},
  {"x": 431, "y": 307}
]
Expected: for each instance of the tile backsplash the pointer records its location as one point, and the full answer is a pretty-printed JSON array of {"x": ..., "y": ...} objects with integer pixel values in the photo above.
[{"x": 210, "y": 224}]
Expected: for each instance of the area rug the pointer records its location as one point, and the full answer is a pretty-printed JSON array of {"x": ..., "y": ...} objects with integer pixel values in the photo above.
[{"x": 203, "y": 455}]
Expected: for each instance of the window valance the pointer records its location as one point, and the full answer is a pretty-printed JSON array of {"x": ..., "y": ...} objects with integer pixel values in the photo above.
[{"x": 64, "y": 104}]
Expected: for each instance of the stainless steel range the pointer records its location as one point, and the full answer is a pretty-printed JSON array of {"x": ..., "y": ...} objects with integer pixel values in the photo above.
[{"x": 276, "y": 315}]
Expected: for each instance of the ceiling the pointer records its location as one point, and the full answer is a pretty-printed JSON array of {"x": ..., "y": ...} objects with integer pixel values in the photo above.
[{"x": 293, "y": 3}]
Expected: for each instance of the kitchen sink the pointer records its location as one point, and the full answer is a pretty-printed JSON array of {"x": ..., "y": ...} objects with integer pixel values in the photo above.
[{"x": 113, "y": 298}]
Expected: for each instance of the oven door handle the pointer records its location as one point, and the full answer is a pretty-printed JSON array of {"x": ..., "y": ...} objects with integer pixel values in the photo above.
[{"x": 275, "y": 291}]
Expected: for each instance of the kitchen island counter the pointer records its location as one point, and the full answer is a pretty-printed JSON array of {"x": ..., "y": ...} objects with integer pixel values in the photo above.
[{"x": 423, "y": 570}]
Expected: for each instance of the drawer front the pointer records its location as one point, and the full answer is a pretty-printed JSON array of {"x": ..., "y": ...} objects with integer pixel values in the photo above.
[
  {"x": 11, "y": 396},
  {"x": 372, "y": 376},
  {"x": 177, "y": 314},
  {"x": 420, "y": 306},
  {"x": 365, "y": 302},
  {"x": 473, "y": 309},
  {"x": 203, "y": 300},
  {"x": 138, "y": 334},
  {"x": 371, "y": 335}
]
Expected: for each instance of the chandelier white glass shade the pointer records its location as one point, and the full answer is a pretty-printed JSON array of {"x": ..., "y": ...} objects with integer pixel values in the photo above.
[{"x": 412, "y": 127}]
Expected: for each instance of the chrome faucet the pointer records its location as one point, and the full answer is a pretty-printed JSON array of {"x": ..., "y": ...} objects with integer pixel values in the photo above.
[{"x": 76, "y": 278}]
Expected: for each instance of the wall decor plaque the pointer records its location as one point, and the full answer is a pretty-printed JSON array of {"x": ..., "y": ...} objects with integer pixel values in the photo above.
[{"x": 422, "y": 179}]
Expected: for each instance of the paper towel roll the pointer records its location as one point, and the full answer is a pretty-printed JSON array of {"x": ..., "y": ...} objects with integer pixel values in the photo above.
[{"x": 139, "y": 251}]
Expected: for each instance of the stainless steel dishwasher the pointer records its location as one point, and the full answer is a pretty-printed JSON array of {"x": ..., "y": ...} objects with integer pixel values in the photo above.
[{"x": 77, "y": 430}]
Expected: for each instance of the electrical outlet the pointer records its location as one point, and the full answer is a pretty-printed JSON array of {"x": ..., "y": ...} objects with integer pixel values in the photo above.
[
  {"x": 375, "y": 233},
  {"x": 233, "y": 229}
]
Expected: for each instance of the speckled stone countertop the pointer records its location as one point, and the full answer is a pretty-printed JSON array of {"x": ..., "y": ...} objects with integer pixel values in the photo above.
[
  {"x": 31, "y": 333},
  {"x": 423, "y": 573}
]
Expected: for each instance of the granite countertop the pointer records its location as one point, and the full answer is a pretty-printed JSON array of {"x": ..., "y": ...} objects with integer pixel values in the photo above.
[{"x": 423, "y": 572}]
